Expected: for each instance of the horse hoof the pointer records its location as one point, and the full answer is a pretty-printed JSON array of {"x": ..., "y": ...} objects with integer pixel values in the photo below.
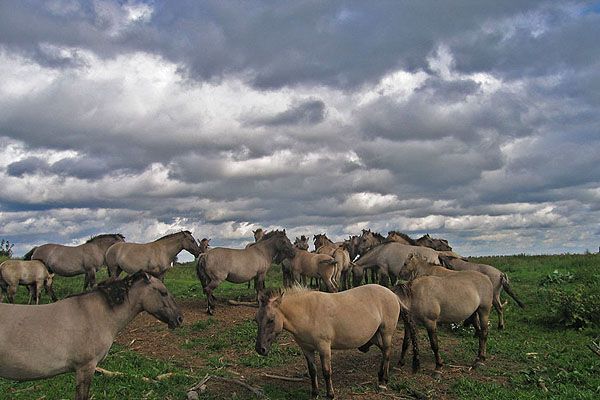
[
  {"x": 437, "y": 376},
  {"x": 210, "y": 312},
  {"x": 478, "y": 364},
  {"x": 382, "y": 387}
]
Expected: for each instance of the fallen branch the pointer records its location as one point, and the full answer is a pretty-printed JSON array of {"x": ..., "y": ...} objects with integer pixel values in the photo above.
[
  {"x": 243, "y": 303},
  {"x": 257, "y": 392},
  {"x": 595, "y": 348},
  {"x": 108, "y": 373},
  {"x": 283, "y": 378}
]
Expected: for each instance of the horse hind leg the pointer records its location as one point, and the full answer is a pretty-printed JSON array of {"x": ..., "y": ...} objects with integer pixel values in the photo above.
[
  {"x": 483, "y": 315},
  {"x": 497, "y": 303},
  {"x": 433, "y": 342}
]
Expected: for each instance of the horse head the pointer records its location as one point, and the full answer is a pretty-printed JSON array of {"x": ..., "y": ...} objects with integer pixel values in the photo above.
[{"x": 269, "y": 319}]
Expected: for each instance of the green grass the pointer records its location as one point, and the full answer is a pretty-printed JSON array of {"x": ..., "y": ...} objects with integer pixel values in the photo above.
[{"x": 536, "y": 357}]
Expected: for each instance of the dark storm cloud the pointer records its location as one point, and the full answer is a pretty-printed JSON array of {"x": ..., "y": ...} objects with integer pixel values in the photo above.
[
  {"x": 29, "y": 165},
  {"x": 308, "y": 112}
]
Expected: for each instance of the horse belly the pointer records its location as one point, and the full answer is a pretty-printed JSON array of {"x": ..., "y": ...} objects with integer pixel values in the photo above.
[{"x": 234, "y": 277}]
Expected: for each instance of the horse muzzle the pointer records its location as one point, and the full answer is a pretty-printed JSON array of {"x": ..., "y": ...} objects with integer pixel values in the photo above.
[{"x": 176, "y": 322}]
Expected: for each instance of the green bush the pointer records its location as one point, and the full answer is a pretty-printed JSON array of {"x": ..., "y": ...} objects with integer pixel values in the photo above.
[
  {"x": 6, "y": 249},
  {"x": 576, "y": 308},
  {"x": 557, "y": 277}
]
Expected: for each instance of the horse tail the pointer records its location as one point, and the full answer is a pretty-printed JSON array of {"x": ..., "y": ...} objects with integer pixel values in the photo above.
[
  {"x": 409, "y": 324},
  {"x": 28, "y": 255},
  {"x": 509, "y": 291},
  {"x": 328, "y": 262},
  {"x": 201, "y": 270}
]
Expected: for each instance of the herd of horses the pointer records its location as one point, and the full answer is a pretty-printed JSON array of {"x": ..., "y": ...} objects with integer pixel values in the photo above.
[{"x": 421, "y": 282}]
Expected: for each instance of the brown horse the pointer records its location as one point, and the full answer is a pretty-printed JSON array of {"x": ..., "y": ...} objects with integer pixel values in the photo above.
[
  {"x": 400, "y": 237},
  {"x": 325, "y": 321},
  {"x": 498, "y": 278},
  {"x": 154, "y": 257},
  {"x": 433, "y": 243},
  {"x": 76, "y": 333},
  {"x": 437, "y": 295},
  {"x": 203, "y": 245},
  {"x": 241, "y": 265},
  {"x": 32, "y": 274},
  {"x": 85, "y": 259}
]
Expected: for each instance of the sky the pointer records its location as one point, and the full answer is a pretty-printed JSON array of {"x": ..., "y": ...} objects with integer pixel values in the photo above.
[{"x": 474, "y": 121}]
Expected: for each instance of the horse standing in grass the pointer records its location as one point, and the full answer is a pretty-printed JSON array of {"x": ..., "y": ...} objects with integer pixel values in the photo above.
[
  {"x": 154, "y": 257},
  {"x": 498, "y": 278},
  {"x": 437, "y": 295},
  {"x": 321, "y": 322},
  {"x": 241, "y": 265},
  {"x": 32, "y": 273},
  {"x": 76, "y": 333},
  {"x": 85, "y": 259}
]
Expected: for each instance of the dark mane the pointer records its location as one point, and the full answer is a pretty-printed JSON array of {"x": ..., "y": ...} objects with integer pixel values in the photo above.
[
  {"x": 114, "y": 291},
  {"x": 270, "y": 293},
  {"x": 404, "y": 236},
  {"x": 271, "y": 234},
  {"x": 106, "y": 235},
  {"x": 172, "y": 234},
  {"x": 403, "y": 290},
  {"x": 378, "y": 236}
]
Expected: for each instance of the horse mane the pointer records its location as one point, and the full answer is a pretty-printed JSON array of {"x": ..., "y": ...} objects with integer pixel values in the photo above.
[
  {"x": 172, "y": 234},
  {"x": 114, "y": 291},
  {"x": 106, "y": 235},
  {"x": 295, "y": 289},
  {"x": 271, "y": 234},
  {"x": 404, "y": 236},
  {"x": 403, "y": 290}
]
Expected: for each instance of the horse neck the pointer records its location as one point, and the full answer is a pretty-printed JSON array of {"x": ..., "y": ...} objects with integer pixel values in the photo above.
[
  {"x": 369, "y": 256},
  {"x": 426, "y": 269},
  {"x": 173, "y": 245},
  {"x": 114, "y": 319},
  {"x": 266, "y": 247},
  {"x": 292, "y": 313}
]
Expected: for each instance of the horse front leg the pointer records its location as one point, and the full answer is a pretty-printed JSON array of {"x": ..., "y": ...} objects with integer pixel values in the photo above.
[
  {"x": 325, "y": 354},
  {"x": 84, "y": 377},
  {"x": 309, "y": 355},
  {"x": 433, "y": 341}
]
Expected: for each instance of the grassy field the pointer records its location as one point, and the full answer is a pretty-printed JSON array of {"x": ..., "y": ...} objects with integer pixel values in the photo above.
[{"x": 542, "y": 353}]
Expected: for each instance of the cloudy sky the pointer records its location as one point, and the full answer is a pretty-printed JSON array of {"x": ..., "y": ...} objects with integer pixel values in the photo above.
[{"x": 476, "y": 121}]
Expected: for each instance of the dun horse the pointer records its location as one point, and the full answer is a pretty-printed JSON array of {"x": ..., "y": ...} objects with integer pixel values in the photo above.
[
  {"x": 323, "y": 245},
  {"x": 76, "y": 333},
  {"x": 324, "y": 321},
  {"x": 498, "y": 278},
  {"x": 241, "y": 265},
  {"x": 85, "y": 259},
  {"x": 32, "y": 274},
  {"x": 154, "y": 257},
  {"x": 438, "y": 295},
  {"x": 312, "y": 265}
]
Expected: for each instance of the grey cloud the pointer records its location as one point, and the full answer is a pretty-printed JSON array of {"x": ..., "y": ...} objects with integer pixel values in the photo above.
[
  {"x": 308, "y": 112},
  {"x": 29, "y": 165}
]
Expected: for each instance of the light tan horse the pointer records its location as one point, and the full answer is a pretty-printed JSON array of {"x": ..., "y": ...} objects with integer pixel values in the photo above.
[
  {"x": 241, "y": 265},
  {"x": 312, "y": 265},
  {"x": 154, "y": 257},
  {"x": 32, "y": 274},
  {"x": 498, "y": 278},
  {"x": 440, "y": 245},
  {"x": 324, "y": 245},
  {"x": 400, "y": 237},
  {"x": 76, "y": 333},
  {"x": 323, "y": 322},
  {"x": 437, "y": 295},
  {"x": 85, "y": 259},
  {"x": 389, "y": 259}
]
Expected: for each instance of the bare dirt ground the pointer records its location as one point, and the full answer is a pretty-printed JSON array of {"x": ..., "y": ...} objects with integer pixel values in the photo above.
[{"x": 354, "y": 373}]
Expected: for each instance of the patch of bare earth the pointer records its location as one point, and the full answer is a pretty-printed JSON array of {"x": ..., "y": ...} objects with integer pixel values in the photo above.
[{"x": 354, "y": 373}]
